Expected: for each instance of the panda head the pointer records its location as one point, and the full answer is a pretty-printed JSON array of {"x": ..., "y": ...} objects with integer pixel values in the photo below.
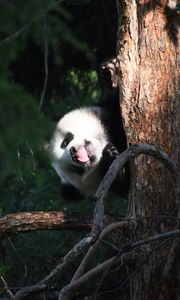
[{"x": 78, "y": 141}]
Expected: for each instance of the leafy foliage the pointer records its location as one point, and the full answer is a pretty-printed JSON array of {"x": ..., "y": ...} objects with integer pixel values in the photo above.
[
  {"x": 4, "y": 269},
  {"x": 21, "y": 126}
]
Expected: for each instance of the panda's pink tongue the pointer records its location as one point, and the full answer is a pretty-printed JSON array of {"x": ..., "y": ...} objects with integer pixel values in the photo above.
[{"x": 82, "y": 155}]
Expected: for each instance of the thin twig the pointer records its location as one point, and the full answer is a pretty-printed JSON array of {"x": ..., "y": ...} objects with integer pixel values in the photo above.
[
  {"x": 45, "y": 65},
  {"x": 14, "y": 35},
  {"x": 87, "y": 276},
  {"x": 83, "y": 245},
  {"x": 104, "y": 275},
  {"x": 136, "y": 270},
  {"x": 19, "y": 256},
  {"x": 93, "y": 248},
  {"x": 68, "y": 289},
  {"x": 9, "y": 293},
  {"x": 82, "y": 266}
]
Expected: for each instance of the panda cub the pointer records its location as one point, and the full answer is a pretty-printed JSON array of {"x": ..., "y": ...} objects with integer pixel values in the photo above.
[{"x": 81, "y": 151}]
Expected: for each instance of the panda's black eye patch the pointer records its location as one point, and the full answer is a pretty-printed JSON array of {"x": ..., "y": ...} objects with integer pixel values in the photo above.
[{"x": 68, "y": 138}]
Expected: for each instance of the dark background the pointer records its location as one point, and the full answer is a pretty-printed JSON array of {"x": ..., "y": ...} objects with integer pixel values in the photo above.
[{"x": 60, "y": 45}]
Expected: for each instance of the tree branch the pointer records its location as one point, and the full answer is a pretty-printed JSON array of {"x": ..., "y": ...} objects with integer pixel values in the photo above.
[
  {"x": 45, "y": 65},
  {"x": 83, "y": 245},
  {"x": 132, "y": 152},
  {"x": 74, "y": 285},
  {"x": 92, "y": 242},
  {"x": 118, "y": 164},
  {"x": 6, "y": 288},
  {"x": 14, "y": 35},
  {"x": 110, "y": 228},
  {"x": 28, "y": 221},
  {"x": 64, "y": 294}
]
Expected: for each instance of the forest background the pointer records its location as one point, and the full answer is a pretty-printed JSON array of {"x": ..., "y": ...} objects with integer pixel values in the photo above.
[{"x": 50, "y": 52}]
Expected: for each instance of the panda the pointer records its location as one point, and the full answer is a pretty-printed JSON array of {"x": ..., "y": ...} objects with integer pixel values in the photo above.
[
  {"x": 86, "y": 141},
  {"x": 81, "y": 151}
]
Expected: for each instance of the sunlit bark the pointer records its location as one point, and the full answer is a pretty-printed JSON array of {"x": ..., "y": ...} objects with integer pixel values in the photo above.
[{"x": 147, "y": 48}]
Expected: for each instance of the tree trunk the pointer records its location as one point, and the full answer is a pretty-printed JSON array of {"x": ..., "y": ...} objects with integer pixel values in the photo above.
[{"x": 147, "y": 48}]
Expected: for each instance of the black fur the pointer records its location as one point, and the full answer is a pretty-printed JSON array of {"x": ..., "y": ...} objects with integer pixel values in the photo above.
[
  {"x": 111, "y": 102},
  {"x": 70, "y": 193}
]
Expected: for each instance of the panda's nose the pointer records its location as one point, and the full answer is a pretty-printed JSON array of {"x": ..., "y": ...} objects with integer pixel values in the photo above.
[{"x": 73, "y": 151}]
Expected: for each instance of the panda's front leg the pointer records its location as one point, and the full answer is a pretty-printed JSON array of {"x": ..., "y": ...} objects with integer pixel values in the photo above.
[
  {"x": 109, "y": 154},
  {"x": 121, "y": 184}
]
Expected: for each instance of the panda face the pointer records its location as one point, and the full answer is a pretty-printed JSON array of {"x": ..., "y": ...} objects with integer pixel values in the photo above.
[
  {"x": 70, "y": 149},
  {"x": 78, "y": 142}
]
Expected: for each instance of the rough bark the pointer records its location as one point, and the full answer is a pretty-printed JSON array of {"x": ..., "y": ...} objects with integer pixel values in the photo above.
[
  {"x": 29, "y": 221},
  {"x": 147, "y": 48}
]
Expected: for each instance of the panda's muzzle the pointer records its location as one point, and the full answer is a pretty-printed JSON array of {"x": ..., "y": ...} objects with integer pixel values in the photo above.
[{"x": 81, "y": 155}]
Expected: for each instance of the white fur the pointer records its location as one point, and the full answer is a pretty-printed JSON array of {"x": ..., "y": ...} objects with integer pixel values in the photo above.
[{"x": 86, "y": 127}]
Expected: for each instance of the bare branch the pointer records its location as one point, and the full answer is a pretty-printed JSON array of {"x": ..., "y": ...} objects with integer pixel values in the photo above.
[
  {"x": 117, "y": 165},
  {"x": 98, "y": 217},
  {"x": 19, "y": 256},
  {"x": 8, "y": 291},
  {"x": 136, "y": 270},
  {"x": 80, "y": 271},
  {"x": 112, "y": 227},
  {"x": 16, "y": 34},
  {"x": 83, "y": 245},
  {"x": 93, "y": 272},
  {"x": 134, "y": 151},
  {"x": 91, "y": 243},
  {"x": 45, "y": 65},
  {"x": 28, "y": 221},
  {"x": 67, "y": 290},
  {"x": 157, "y": 237},
  {"x": 85, "y": 261}
]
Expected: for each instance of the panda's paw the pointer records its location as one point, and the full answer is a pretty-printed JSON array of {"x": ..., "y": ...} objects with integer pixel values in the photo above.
[
  {"x": 110, "y": 152},
  {"x": 108, "y": 156}
]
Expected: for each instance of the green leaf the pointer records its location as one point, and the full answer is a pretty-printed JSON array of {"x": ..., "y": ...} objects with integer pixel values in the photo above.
[{"x": 4, "y": 269}]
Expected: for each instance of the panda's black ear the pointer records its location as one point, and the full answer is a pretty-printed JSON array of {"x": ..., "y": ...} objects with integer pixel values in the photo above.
[{"x": 70, "y": 193}]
